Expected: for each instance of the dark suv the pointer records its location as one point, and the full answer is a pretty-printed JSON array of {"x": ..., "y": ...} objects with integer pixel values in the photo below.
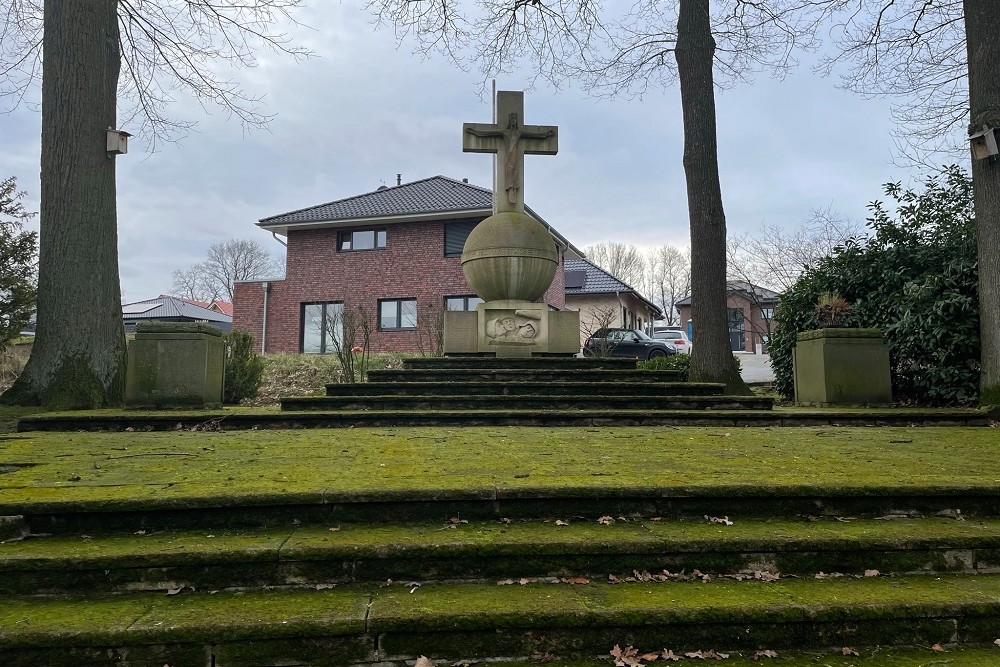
[{"x": 626, "y": 343}]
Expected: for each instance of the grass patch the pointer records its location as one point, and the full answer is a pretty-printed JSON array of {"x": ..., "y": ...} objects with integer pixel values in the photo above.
[
  {"x": 256, "y": 467},
  {"x": 308, "y": 374}
]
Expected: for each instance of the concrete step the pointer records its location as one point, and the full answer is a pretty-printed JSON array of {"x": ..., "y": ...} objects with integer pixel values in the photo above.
[
  {"x": 509, "y": 375},
  {"x": 525, "y": 389},
  {"x": 235, "y": 419},
  {"x": 353, "y": 624},
  {"x": 492, "y": 550},
  {"x": 636, "y": 401},
  {"x": 590, "y": 363}
]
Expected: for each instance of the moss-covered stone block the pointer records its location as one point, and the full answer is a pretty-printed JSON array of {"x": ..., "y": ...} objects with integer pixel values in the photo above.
[
  {"x": 841, "y": 367},
  {"x": 175, "y": 365}
]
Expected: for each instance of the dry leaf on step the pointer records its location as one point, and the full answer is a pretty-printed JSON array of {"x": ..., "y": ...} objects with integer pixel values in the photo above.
[
  {"x": 424, "y": 661},
  {"x": 649, "y": 657},
  {"x": 625, "y": 657}
]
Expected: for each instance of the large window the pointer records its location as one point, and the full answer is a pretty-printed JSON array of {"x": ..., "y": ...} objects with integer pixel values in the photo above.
[
  {"x": 361, "y": 239},
  {"x": 461, "y": 302},
  {"x": 321, "y": 327},
  {"x": 397, "y": 314},
  {"x": 455, "y": 234}
]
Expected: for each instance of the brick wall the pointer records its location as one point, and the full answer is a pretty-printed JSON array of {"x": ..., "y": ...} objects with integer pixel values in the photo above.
[{"x": 411, "y": 266}]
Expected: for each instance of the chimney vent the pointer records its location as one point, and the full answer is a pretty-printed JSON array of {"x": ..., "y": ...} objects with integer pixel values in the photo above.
[
  {"x": 399, "y": 179},
  {"x": 465, "y": 180}
]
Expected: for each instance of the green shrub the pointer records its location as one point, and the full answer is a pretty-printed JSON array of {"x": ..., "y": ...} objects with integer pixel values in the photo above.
[
  {"x": 915, "y": 278},
  {"x": 244, "y": 367},
  {"x": 674, "y": 362}
]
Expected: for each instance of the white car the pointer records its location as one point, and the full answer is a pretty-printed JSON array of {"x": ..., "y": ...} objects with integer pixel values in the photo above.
[{"x": 679, "y": 339}]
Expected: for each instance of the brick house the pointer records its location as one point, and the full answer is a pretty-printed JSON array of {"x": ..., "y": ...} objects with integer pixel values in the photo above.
[
  {"x": 605, "y": 301},
  {"x": 394, "y": 252},
  {"x": 751, "y": 315}
]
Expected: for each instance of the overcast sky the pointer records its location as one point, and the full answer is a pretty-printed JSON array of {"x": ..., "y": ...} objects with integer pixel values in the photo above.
[{"x": 364, "y": 110}]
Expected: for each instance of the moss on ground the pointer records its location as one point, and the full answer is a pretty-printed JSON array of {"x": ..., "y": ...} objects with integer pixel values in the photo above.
[{"x": 198, "y": 469}]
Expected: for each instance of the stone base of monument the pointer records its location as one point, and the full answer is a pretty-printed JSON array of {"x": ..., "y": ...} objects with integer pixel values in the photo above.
[
  {"x": 841, "y": 367},
  {"x": 175, "y": 365},
  {"x": 512, "y": 329}
]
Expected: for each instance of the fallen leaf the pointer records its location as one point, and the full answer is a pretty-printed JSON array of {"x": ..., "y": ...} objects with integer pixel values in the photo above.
[
  {"x": 712, "y": 654},
  {"x": 538, "y": 656},
  {"x": 694, "y": 654},
  {"x": 576, "y": 580},
  {"x": 649, "y": 657},
  {"x": 506, "y": 520},
  {"x": 324, "y": 587},
  {"x": 424, "y": 661},
  {"x": 455, "y": 520},
  {"x": 464, "y": 663},
  {"x": 505, "y": 582},
  {"x": 938, "y": 648},
  {"x": 612, "y": 579},
  {"x": 871, "y": 573},
  {"x": 760, "y": 575},
  {"x": 847, "y": 650},
  {"x": 625, "y": 657},
  {"x": 174, "y": 591},
  {"x": 670, "y": 655},
  {"x": 605, "y": 520},
  {"x": 766, "y": 653},
  {"x": 654, "y": 519},
  {"x": 721, "y": 520},
  {"x": 560, "y": 522},
  {"x": 997, "y": 642},
  {"x": 335, "y": 529},
  {"x": 524, "y": 581}
]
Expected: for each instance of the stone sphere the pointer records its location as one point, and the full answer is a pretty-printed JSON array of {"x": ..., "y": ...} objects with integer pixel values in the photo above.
[{"x": 510, "y": 255}]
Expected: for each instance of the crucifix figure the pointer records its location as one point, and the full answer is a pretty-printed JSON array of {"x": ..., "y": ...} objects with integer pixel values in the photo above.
[{"x": 511, "y": 140}]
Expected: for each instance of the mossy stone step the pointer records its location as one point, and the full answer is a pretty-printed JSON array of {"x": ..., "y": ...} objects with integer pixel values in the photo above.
[
  {"x": 589, "y": 363},
  {"x": 352, "y": 553},
  {"x": 636, "y": 401},
  {"x": 452, "y": 621},
  {"x": 237, "y": 419},
  {"x": 520, "y": 375},
  {"x": 866, "y": 656},
  {"x": 554, "y": 388}
]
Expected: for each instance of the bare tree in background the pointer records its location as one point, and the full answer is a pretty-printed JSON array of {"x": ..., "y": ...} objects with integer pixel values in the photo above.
[
  {"x": 654, "y": 43},
  {"x": 669, "y": 278},
  {"x": 226, "y": 264},
  {"x": 622, "y": 260},
  {"x": 161, "y": 47},
  {"x": 774, "y": 257}
]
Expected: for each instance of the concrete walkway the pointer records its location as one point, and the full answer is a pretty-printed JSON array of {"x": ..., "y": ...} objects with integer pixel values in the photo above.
[{"x": 756, "y": 367}]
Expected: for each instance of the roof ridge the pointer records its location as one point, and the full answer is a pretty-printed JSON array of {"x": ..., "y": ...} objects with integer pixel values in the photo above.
[{"x": 385, "y": 188}]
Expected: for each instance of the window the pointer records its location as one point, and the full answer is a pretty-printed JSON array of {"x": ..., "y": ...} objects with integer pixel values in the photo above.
[
  {"x": 767, "y": 313},
  {"x": 397, "y": 314},
  {"x": 461, "y": 302},
  {"x": 321, "y": 327},
  {"x": 361, "y": 239},
  {"x": 455, "y": 234}
]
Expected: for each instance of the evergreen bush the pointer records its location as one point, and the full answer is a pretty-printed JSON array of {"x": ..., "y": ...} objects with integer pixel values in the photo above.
[{"x": 244, "y": 367}]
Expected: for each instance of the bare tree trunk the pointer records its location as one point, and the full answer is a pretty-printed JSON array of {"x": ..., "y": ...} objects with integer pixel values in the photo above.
[
  {"x": 78, "y": 359},
  {"x": 982, "y": 25},
  {"x": 711, "y": 360}
]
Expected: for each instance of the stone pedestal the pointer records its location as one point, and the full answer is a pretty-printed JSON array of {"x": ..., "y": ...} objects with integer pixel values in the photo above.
[
  {"x": 511, "y": 328},
  {"x": 175, "y": 365},
  {"x": 841, "y": 367}
]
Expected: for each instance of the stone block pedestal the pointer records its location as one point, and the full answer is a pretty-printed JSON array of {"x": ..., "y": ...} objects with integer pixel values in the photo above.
[
  {"x": 510, "y": 329},
  {"x": 175, "y": 365},
  {"x": 841, "y": 367}
]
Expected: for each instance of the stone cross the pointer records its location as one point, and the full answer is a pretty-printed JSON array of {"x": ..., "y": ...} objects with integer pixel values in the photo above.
[{"x": 511, "y": 140}]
